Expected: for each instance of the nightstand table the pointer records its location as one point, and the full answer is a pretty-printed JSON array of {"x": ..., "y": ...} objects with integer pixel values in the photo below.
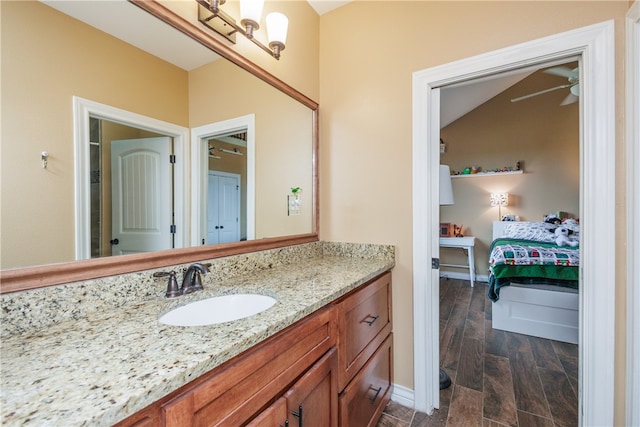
[{"x": 465, "y": 243}]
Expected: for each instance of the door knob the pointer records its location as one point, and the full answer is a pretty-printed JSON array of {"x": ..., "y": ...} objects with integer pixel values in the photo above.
[{"x": 114, "y": 241}]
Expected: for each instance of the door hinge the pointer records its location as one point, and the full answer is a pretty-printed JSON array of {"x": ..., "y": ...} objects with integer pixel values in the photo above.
[
  {"x": 172, "y": 229},
  {"x": 172, "y": 158},
  {"x": 435, "y": 263}
]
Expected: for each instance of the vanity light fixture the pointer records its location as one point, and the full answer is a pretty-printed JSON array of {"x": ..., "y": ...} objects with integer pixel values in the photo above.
[
  {"x": 499, "y": 200},
  {"x": 210, "y": 14}
]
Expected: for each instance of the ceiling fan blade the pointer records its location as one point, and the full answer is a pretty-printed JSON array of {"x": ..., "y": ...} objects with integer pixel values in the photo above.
[
  {"x": 531, "y": 95},
  {"x": 570, "y": 99},
  {"x": 563, "y": 72}
]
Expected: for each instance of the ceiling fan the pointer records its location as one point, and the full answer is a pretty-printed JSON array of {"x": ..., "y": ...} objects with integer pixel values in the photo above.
[{"x": 572, "y": 75}]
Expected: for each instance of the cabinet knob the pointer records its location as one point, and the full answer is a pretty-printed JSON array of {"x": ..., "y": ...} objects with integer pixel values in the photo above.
[{"x": 299, "y": 415}]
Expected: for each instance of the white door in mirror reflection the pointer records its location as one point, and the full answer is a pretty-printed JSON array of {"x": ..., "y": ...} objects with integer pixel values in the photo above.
[
  {"x": 223, "y": 207},
  {"x": 141, "y": 176}
]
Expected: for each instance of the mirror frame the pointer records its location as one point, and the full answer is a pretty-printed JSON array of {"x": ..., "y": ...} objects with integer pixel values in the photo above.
[{"x": 19, "y": 279}]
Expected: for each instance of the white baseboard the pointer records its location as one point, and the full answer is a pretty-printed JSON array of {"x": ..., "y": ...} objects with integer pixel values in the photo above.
[
  {"x": 402, "y": 395},
  {"x": 464, "y": 276}
]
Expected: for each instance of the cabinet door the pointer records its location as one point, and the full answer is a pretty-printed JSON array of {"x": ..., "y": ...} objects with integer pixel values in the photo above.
[
  {"x": 274, "y": 416},
  {"x": 313, "y": 399}
]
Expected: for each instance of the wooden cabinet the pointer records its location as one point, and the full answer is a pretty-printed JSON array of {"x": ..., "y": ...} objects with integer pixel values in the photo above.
[
  {"x": 331, "y": 368},
  {"x": 311, "y": 402},
  {"x": 236, "y": 391},
  {"x": 364, "y": 349},
  {"x": 364, "y": 399}
]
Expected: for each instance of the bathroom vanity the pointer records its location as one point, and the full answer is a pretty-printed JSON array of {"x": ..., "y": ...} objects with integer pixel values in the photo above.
[{"x": 322, "y": 353}]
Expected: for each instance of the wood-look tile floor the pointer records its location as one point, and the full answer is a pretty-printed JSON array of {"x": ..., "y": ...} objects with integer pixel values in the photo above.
[{"x": 498, "y": 378}]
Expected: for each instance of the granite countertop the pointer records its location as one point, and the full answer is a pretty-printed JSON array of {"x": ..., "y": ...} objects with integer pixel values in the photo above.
[{"x": 109, "y": 364}]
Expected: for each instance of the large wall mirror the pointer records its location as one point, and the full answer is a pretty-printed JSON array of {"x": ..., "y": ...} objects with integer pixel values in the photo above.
[{"x": 74, "y": 99}]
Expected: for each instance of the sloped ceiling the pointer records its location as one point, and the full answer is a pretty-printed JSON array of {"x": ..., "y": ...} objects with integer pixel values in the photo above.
[{"x": 458, "y": 100}]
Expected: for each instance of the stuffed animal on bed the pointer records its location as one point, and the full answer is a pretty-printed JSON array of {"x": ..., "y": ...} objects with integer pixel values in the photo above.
[
  {"x": 564, "y": 237},
  {"x": 552, "y": 219}
]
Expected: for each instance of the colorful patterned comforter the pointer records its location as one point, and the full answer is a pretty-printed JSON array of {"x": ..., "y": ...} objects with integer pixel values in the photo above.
[{"x": 531, "y": 262}]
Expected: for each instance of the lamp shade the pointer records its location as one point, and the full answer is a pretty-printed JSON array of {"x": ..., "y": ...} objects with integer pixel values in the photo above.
[
  {"x": 277, "y": 26},
  {"x": 499, "y": 199},
  {"x": 446, "y": 189}
]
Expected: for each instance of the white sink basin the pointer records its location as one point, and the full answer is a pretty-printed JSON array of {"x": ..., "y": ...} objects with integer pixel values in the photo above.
[{"x": 217, "y": 310}]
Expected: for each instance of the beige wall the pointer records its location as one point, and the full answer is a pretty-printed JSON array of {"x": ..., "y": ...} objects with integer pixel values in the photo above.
[
  {"x": 368, "y": 52},
  {"x": 539, "y": 133},
  {"x": 47, "y": 58}
]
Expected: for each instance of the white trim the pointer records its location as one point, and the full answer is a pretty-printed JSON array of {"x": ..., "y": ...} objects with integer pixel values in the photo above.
[
  {"x": 595, "y": 45},
  {"x": 483, "y": 279},
  {"x": 633, "y": 213},
  {"x": 402, "y": 395},
  {"x": 82, "y": 109},
  {"x": 199, "y": 166}
]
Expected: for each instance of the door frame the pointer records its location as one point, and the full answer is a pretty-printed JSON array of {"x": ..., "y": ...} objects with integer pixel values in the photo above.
[
  {"x": 82, "y": 110},
  {"x": 595, "y": 45},
  {"x": 632, "y": 142},
  {"x": 199, "y": 156}
]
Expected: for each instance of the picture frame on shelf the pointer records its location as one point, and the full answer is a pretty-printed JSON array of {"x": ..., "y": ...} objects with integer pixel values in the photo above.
[{"x": 445, "y": 229}]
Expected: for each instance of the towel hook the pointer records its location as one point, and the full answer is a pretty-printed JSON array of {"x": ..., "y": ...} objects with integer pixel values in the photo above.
[{"x": 44, "y": 156}]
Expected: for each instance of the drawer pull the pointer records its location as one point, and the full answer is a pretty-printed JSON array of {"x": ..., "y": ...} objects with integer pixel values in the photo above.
[
  {"x": 373, "y": 399},
  {"x": 370, "y": 320},
  {"x": 299, "y": 415},
  {"x": 286, "y": 423}
]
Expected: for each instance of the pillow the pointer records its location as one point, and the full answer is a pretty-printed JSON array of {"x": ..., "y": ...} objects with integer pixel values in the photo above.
[{"x": 525, "y": 230}]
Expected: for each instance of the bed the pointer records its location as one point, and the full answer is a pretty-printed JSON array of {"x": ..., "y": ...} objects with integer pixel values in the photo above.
[{"x": 533, "y": 283}]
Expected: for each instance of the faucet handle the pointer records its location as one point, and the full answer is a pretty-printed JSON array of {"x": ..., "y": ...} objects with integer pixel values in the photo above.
[
  {"x": 172, "y": 287},
  {"x": 197, "y": 281}
]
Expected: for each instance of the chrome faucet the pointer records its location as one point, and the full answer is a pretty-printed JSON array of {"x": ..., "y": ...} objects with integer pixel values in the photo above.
[{"x": 191, "y": 280}]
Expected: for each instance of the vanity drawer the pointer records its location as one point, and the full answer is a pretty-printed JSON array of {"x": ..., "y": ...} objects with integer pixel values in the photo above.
[
  {"x": 237, "y": 391},
  {"x": 364, "y": 399},
  {"x": 364, "y": 321}
]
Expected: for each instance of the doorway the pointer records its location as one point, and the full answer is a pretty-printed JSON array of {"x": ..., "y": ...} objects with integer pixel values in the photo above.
[
  {"x": 594, "y": 46},
  {"x": 86, "y": 112},
  {"x": 506, "y": 135},
  {"x": 231, "y": 143}
]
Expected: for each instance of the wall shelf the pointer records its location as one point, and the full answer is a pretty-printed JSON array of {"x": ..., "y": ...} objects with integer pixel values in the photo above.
[{"x": 472, "y": 175}]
